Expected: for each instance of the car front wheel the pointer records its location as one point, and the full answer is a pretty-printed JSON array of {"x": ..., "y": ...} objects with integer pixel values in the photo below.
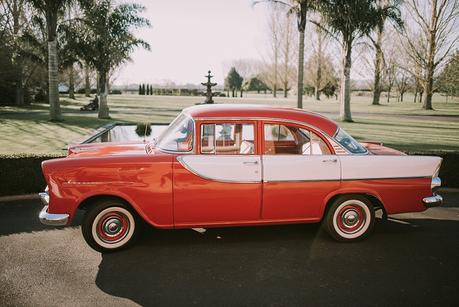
[
  {"x": 350, "y": 218},
  {"x": 109, "y": 225}
]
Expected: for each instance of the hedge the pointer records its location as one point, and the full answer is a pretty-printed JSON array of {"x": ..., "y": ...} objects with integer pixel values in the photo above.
[{"x": 21, "y": 173}]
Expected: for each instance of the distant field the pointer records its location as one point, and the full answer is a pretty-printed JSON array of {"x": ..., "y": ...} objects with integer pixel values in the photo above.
[{"x": 400, "y": 125}]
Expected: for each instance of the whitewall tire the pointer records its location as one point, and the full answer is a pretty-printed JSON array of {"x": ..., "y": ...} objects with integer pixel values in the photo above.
[
  {"x": 350, "y": 218},
  {"x": 109, "y": 225}
]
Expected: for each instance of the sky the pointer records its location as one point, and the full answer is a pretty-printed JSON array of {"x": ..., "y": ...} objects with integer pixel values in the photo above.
[{"x": 189, "y": 37}]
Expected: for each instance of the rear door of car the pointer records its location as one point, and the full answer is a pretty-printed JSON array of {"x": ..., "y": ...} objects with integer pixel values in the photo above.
[{"x": 299, "y": 170}]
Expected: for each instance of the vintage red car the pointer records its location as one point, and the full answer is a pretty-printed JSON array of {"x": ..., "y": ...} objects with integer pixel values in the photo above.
[{"x": 236, "y": 165}]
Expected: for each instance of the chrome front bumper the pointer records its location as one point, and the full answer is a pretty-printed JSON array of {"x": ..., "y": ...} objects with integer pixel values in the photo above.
[
  {"x": 51, "y": 219},
  {"x": 433, "y": 201}
]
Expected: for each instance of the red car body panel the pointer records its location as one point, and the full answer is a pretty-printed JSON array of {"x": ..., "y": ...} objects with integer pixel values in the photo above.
[{"x": 166, "y": 194}]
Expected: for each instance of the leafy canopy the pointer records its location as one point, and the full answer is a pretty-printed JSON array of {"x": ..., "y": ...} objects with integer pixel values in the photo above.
[{"x": 105, "y": 36}]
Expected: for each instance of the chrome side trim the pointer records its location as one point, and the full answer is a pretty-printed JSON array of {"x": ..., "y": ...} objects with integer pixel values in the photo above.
[
  {"x": 433, "y": 201},
  {"x": 359, "y": 179},
  {"x": 51, "y": 219}
]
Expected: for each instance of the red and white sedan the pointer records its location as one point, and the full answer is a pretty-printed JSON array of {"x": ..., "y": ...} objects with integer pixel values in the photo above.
[{"x": 236, "y": 165}]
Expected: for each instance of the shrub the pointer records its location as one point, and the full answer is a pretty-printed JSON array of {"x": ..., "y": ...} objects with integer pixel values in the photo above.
[
  {"x": 21, "y": 173},
  {"x": 116, "y": 92}
]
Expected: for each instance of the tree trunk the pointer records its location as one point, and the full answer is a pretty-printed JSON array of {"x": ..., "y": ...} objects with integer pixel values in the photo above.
[
  {"x": 388, "y": 94},
  {"x": 317, "y": 93},
  {"x": 16, "y": 12},
  {"x": 401, "y": 96},
  {"x": 378, "y": 66},
  {"x": 300, "y": 70},
  {"x": 415, "y": 95},
  {"x": 241, "y": 92},
  {"x": 276, "y": 72},
  {"x": 430, "y": 67},
  {"x": 345, "y": 89},
  {"x": 285, "y": 89},
  {"x": 233, "y": 93},
  {"x": 19, "y": 87},
  {"x": 103, "y": 105},
  {"x": 98, "y": 86},
  {"x": 53, "y": 77},
  {"x": 319, "y": 67},
  {"x": 87, "y": 84},
  {"x": 71, "y": 83}
]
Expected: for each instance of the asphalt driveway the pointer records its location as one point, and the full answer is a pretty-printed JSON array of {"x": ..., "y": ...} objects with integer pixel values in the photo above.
[{"x": 411, "y": 259}]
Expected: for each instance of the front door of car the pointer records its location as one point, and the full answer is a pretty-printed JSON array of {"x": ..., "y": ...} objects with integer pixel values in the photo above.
[
  {"x": 299, "y": 171},
  {"x": 221, "y": 182}
]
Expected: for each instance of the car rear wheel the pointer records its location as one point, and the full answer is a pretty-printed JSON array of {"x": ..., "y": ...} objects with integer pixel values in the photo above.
[
  {"x": 109, "y": 225},
  {"x": 350, "y": 218}
]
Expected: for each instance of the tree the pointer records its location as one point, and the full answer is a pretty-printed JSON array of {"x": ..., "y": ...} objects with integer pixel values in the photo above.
[
  {"x": 13, "y": 25},
  {"x": 143, "y": 89},
  {"x": 356, "y": 18},
  {"x": 272, "y": 66},
  {"x": 233, "y": 80},
  {"x": 319, "y": 69},
  {"x": 87, "y": 82},
  {"x": 287, "y": 39},
  {"x": 390, "y": 72},
  {"x": 107, "y": 41},
  {"x": 401, "y": 80},
  {"x": 52, "y": 10},
  {"x": 437, "y": 22},
  {"x": 255, "y": 84},
  {"x": 299, "y": 8},
  {"x": 448, "y": 80},
  {"x": 389, "y": 10},
  {"x": 320, "y": 73}
]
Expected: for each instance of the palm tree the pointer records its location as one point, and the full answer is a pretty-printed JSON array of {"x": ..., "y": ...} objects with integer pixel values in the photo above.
[
  {"x": 300, "y": 8},
  {"x": 106, "y": 40},
  {"x": 52, "y": 9},
  {"x": 348, "y": 20},
  {"x": 388, "y": 10}
]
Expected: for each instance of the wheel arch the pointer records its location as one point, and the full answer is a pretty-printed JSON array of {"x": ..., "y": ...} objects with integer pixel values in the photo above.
[
  {"x": 88, "y": 201},
  {"x": 372, "y": 197}
]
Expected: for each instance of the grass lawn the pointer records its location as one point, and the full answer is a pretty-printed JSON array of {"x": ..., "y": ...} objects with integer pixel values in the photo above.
[{"x": 403, "y": 126}]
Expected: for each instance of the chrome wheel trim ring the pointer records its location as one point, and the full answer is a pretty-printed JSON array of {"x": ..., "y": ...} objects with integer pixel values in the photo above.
[
  {"x": 109, "y": 222},
  {"x": 357, "y": 209}
]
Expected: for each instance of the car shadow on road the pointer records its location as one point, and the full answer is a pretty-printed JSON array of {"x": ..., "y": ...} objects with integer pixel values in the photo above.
[{"x": 403, "y": 262}]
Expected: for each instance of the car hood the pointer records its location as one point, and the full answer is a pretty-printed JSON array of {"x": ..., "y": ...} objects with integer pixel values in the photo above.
[
  {"x": 377, "y": 148},
  {"x": 106, "y": 149}
]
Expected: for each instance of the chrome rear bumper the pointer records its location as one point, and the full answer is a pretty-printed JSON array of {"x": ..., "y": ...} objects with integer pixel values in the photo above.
[
  {"x": 433, "y": 201},
  {"x": 51, "y": 219}
]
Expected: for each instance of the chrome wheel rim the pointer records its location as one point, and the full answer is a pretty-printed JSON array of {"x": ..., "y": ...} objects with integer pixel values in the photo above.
[
  {"x": 113, "y": 227},
  {"x": 351, "y": 219}
]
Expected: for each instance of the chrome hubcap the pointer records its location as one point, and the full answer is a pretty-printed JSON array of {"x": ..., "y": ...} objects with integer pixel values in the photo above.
[
  {"x": 350, "y": 218},
  {"x": 112, "y": 226}
]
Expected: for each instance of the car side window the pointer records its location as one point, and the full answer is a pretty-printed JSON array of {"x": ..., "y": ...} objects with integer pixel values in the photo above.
[
  {"x": 228, "y": 139},
  {"x": 284, "y": 139}
]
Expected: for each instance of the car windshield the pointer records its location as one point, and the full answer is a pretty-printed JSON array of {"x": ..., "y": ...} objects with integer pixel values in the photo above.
[
  {"x": 178, "y": 136},
  {"x": 349, "y": 143}
]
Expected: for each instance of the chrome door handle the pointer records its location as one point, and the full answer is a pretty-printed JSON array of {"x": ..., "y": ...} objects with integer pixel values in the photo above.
[
  {"x": 250, "y": 162},
  {"x": 330, "y": 160}
]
